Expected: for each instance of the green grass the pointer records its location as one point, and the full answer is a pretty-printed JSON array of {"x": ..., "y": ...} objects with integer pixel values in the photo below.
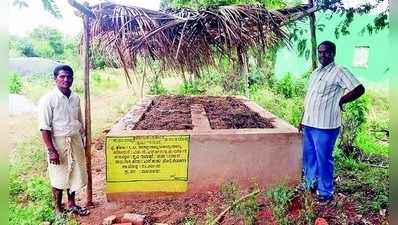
[
  {"x": 367, "y": 186},
  {"x": 278, "y": 105}
]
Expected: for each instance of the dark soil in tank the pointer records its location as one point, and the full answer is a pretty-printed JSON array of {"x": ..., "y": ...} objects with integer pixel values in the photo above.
[{"x": 174, "y": 113}]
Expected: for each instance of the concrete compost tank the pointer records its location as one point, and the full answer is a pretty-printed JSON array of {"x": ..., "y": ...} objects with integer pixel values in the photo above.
[{"x": 202, "y": 150}]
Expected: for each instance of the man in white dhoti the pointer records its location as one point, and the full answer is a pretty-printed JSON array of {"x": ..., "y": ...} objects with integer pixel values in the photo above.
[{"x": 61, "y": 126}]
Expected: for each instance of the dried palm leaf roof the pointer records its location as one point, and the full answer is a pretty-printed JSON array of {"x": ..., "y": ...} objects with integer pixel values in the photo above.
[{"x": 184, "y": 39}]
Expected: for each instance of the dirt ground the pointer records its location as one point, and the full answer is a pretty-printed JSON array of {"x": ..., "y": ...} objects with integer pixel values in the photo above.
[
  {"x": 173, "y": 113},
  {"x": 173, "y": 211}
]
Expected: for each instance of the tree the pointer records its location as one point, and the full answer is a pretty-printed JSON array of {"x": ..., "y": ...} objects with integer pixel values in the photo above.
[
  {"x": 298, "y": 34},
  {"x": 48, "y": 42},
  {"x": 49, "y": 6}
]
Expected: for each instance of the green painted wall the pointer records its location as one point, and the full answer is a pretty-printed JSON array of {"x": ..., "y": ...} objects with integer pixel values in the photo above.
[{"x": 377, "y": 72}]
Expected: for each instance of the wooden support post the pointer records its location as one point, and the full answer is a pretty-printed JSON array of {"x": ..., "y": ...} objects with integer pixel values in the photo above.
[
  {"x": 313, "y": 37},
  {"x": 87, "y": 108},
  {"x": 243, "y": 68}
]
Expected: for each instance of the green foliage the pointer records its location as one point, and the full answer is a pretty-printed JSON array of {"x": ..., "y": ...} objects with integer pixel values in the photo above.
[
  {"x": 280, "y": 197},
  {"x": 48, "y": 5},
  {"x": 210, "y": 215},
  {"x": 307, "y": 213},
  {"x": 189, "y": 221},
  {"x": 37, "y": 85},
  {"x": 155, "y": 86},
  {"x": 230, "y": 192},
  {"x": 354, "y": 118},
  {"x": 48, "y": 42},
  {"x": 365, "y": 184},
  {"x": 30, "y": 202},
  {"x": 191, "y": 88},
  {"x": 15, "y": 84},
  {"x": 290, "y": 87},
  {"x": 278, "y": 104},
  {"x": 246, "y": 209},
  {"x": 22, "y": 47}
]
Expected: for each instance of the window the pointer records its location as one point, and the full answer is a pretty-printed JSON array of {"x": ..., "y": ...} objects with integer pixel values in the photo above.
[{"x": 361, "y": 56}]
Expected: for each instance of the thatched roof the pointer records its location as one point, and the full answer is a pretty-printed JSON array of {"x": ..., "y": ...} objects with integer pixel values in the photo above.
[{"x": 185, "y": 39}]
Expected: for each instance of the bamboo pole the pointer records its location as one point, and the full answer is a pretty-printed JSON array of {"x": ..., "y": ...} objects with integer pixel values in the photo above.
[{"x": 87, "y": 107}]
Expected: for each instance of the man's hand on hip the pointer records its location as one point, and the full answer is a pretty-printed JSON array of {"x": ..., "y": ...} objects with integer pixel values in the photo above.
[
  {"x": 300, "y": 127},
  {"x": 341, "y": 105},
  {"x": 53, "y": 156}
]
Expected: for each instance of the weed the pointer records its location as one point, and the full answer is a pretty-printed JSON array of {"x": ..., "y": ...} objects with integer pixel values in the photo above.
[
  {"x": 290, "y": 87},
  {"x": 280, "y": 197},
  {"x": 247, "y": 208},
  {"x": 307, "y": 213},
  {"x": 189, "y": 221},
  {"x": 210, "y": 215},
  {"x": 15, "y": 84},
  {"x": 230, "y": 192},
  {"x": 194, "y": 88},
  {"x": 155, "y": 86},
  {"x": 367, "y": 185}
]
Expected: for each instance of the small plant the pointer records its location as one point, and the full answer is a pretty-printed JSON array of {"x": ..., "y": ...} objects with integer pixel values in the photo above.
[
  {"x": 96, "y": 77},
  {"x": 209, "y": 215},
  {"x": 246, "y": 208},
  {"x": 285, "y": 86},
  {"x": 155, "y": 86},
  {"x": 230, "y": 192},
  {"x": 189, "y": 221},
  {"x": 15, "y": 84},
  {"x": 290, "y": 87},
  {"x": 191, "y": 88},
  {"x": 280, "y": 197},
  {"x": 307, "y": 213}
]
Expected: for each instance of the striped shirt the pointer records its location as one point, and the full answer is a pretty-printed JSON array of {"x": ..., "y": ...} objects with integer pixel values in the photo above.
[{"x": 326, "y": 87}]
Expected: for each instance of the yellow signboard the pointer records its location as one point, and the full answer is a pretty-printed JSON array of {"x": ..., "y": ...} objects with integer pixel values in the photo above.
[{"x": 147, "y": 163}]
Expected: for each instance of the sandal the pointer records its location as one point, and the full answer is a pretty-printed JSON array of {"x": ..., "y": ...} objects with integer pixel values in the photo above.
[{"x": 78, "y": 210}]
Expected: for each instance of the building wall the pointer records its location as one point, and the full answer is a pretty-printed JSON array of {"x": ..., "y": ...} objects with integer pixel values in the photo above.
[{"x": 377, "y": 71}]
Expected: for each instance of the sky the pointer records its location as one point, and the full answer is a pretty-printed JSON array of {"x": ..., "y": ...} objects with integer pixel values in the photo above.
[
  {"x": 23, "y": 20},
  {"x": 70, "y": 23}
]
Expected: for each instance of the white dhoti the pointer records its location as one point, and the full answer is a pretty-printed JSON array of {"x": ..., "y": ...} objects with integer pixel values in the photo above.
[{"x": 71, "y": 173}]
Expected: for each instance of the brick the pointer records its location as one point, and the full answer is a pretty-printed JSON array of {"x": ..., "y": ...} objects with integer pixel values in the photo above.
[{"x": 109, "y": 220}]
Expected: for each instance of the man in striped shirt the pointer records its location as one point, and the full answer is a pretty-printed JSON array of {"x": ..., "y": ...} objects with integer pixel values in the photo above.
[{"x": 330, "y": 87}]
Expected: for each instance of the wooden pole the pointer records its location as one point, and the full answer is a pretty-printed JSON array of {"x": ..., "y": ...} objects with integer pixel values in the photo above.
[
  {"x": 243, "y": 68},
  {"x": 82, "y": 8},
  {"x": 313, "y": 37},
  {"x": 87, "y": 106}
]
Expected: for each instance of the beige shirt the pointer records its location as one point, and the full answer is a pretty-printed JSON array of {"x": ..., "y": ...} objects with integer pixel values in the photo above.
[
  {"x": 326, "y": 87},
  {"x": 59, "y": 114}
]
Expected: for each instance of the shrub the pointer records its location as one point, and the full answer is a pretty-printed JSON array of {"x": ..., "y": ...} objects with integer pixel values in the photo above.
[
  {"x": 156, "y": 86},
  {"x": 15, "y": 84},
  {"x": 354, "y": 118},
  {"x": 194, "y": 88},
  {"x": 285, "y": 86},
  {"x": 290, "y": 87}
]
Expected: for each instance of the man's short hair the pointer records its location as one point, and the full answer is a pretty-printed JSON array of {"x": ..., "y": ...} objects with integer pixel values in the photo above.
[
  {"x": 330, "y": 45},
  {"x": 62, "y": 67}
]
